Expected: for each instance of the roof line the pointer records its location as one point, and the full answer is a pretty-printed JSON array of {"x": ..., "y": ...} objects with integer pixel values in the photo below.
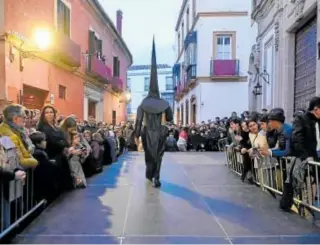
[
  {"x": 113, "y": 27},
  {"x": 184, "y": 3}
]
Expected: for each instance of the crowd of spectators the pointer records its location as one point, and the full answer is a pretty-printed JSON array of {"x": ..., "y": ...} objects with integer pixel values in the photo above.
[
  {"x": 269, "y": 136},
  {"x": 63, "y": 151}
]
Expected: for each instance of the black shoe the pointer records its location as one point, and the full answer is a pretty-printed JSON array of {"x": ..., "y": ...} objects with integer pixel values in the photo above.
[
  {"x": 250, "y": 180},
  {"x": 156, "y": 183},
  {"x": 149, "y": 179},
  {"x": 243, "y": 178}
]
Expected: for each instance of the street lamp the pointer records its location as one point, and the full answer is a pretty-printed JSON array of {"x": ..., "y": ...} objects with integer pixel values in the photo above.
[
  {"x": 257, "y": 89},
  {"x": 125, "y": 97},
  {"x": 128, "y": 96},
  {"x": 43, "y": 38}
]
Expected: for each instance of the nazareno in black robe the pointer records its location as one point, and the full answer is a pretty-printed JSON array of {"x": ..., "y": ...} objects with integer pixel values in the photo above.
[
  {"x": 150, "y": 125},
  {"x": 152, "y": 115}
]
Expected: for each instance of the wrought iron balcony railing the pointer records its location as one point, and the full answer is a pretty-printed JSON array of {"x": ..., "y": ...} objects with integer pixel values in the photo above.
[
  {"x": 95, "y": 67},
  {"x": 224, "y": 68}
]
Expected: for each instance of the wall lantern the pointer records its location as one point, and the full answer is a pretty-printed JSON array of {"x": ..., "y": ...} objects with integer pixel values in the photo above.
[
  {"x": 257, "y": 89},
  {"x": 42, "y": 40}
]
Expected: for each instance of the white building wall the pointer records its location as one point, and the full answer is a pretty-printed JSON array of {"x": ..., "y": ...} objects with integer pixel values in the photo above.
[
  {"x": 213, "y": 100},
  {"x": 214, "y": 17},
  {"x": 221, "y": 99},
  {"x": 268, "y": 64},
  {"x": 196, "y": 92},
  {"x": 245, "y": 38},
  {"x": 222, "y": 6},
  {"x": 137, "y": 85}
]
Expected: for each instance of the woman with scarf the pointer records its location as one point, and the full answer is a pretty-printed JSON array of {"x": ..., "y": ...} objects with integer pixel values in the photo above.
[{"x": 13, "y": 127}]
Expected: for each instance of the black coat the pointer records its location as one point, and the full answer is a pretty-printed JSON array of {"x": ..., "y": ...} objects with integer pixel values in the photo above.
[
  {"x": 56, "y": 144},
  {"x": 304, "y": 141},
  {"x": 245, "y": 142},
  {"x": 150, "y": 126},
  {"x": 46, "y": 177}
]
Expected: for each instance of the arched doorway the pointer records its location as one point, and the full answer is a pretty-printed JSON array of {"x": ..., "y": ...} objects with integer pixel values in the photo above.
[
  {"x": 182, "y": 115},
  {"x": 193, "y": 102},
  {"x": 187, "y": 112}
]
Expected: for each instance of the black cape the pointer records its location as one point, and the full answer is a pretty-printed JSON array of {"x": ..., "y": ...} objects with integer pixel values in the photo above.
[{"x": 152, "y": 115}]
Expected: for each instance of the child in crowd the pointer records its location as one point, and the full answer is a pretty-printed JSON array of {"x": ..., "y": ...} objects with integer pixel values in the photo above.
[
  {"x": 77, "y": 156},
  {"x": 46, "y": 173},
  {"x": 171, "y": 144},
  {"x": 96, "y": 144}
]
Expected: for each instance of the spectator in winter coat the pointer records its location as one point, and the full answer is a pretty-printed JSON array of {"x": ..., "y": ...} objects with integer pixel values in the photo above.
[
  {"x": 276, "y": 121},
  {"x": 305, "y": 136},
  {"x": 171, "y": 144}
]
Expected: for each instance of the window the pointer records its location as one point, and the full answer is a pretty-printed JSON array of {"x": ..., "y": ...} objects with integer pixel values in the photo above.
[
  {"x": 169, "y": 83},
  {"x": 98, "y": 48},
  {"x": 129, "y": 108},
  {"x": 182, "y": 34},
  {"x": 224, "y": 47},
  {"x": 63, "y": 18},
  {"x": 146, "y": 83},
  {"x": 191, "y": 54},
  {"x": 116, "y": 66},
  {"x": 193, "y": 9},
  {"x": 62, "y": 92},
  {"x": 179, "y": 42},
  {"x": 94, "y": 48},
  {"x": 169, "y": 97},
  {"x": 114, "y": 118},
  {"x": 188, "y": 16},
  {"x": 129, "y": 83}
]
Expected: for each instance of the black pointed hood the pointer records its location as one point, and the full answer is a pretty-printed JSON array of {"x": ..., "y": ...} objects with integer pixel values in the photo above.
[
  {"x": 153, "y": 103},
  {"x": 154, "y": 87}
]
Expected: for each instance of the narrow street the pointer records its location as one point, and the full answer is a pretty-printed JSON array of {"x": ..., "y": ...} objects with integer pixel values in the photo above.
[{"x": 200, "y": 202}]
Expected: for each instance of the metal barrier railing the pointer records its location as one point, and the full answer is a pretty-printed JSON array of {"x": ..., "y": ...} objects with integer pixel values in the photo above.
[
  {"x": 17, "y": 202},
  {"x": 222, "y": 143},
  {"x": 270, "y": 174}
]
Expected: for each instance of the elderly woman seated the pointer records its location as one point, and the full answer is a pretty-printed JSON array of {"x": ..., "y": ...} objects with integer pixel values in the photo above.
[{"x": 13, "y": 127}]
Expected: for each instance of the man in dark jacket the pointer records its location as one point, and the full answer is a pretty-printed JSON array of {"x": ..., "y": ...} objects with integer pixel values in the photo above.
[
  {"x": 305, "y": 136},
  {"x": 152, "y": 116},
  {"x": 276, "y": 122}
]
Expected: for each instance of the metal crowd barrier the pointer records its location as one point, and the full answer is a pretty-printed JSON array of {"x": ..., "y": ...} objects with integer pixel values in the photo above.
[
  {"x": 222, "y": 143},
  {"x": 17, "y": 202},
  {"x": 271, "y": 173}
]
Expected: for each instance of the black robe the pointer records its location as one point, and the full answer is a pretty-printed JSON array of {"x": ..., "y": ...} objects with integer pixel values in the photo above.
[{"x": 150, "y": 120}]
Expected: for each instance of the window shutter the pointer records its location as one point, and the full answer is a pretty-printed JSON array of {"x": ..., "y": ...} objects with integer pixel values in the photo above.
[
  {"x": 91, "y": 48},
  {"x": 99, "y": 46},
  {"x": 115, "y": 63},
  {"x": 67, "y": 21},
  {"x": 118, "y": 68},
  {"x": 60, "y": 16}
]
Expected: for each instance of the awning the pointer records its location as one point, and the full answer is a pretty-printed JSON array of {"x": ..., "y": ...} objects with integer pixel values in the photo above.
[{"x": 191, "y": 38}]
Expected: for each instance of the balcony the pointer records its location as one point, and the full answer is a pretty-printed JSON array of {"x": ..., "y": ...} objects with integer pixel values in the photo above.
[
  {"x": 67, "y": 51},
  {"x": 178, "y": 92},
  {"x": 117, "y": 84},
  {"x": 224, "y": 69},
  {"x": 96, "y": 68},
  {"x": 191, "y": 74}
]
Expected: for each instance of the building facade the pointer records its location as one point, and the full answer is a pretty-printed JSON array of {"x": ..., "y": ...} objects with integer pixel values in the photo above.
[
  {"x": 82, "y": 71},
  {"x": 138, "y": 83},
  {"x": 287, "y": 48},
  {"x": 213, "y": 44}
]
